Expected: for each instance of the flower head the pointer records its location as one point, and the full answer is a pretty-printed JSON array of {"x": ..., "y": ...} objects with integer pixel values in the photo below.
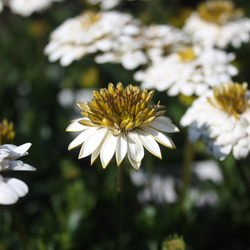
[
  {"x": 221, "y": 119},
  {"x": 11, "y": 188},
  {"x": 188, "y": 71},
  {"x": 218, "y": 23},
  {"x": 120, "y": 120}
]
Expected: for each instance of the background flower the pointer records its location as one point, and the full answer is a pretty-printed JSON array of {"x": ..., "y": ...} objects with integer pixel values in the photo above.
[{"x": 221, "y": 119}]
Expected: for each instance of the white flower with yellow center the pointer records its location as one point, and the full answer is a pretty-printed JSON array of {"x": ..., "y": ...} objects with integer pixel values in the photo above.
[
  {"x": 221, "y": 119},
  {"x": 88, "y": 33},
  {"x": 218, "y": 23},
  {"x": 120, "y": 121},
  {"x": 27, "y": 7},
  {"x": 189, "y": 71},
  {"x": 11, "y": 189}
]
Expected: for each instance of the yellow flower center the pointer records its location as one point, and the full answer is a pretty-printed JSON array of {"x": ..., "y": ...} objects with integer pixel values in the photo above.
[
  {"x": 88, "y": 18},
  {"x": 7, "y": 133},
  {"x": 187, "y": 54},
  {"x": 120, "y": 109},
  {"x": 231, "y": 98},
  {"x": 218, "y": 11}
]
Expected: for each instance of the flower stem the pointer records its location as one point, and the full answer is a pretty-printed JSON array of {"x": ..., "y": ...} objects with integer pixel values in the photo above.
[
  {"x": 18, "y": 225},
  {"x": 243, "y": 176},
  {"x": 186, "y": 173},
  {"x": 119, "y": 208}
]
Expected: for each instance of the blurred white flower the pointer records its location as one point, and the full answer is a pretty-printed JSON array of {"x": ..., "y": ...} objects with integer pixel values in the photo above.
[
  {"x": 120, "y": 120},
  {"x": 27, "y": 7},
  {"x": 189, "y": 71},
  {"x": 221, "y": 119},
  {"x": 11, "y": 188},
  {"x": 218, "y": 23},
  {"x": 139, "y": 45},
  {"x": 1, "y": 6},
  {"x": 88, "y": 33}
]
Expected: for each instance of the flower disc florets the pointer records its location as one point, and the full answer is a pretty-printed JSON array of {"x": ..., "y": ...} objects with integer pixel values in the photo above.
[
  {"x": 120, "y": 109},
  {"x": 231, "y": 98},
  {"x": 219, "y": 12}
]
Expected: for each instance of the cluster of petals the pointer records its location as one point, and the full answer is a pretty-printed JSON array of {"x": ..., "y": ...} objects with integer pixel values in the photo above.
[
  {"x": 221, "y": 131},
  {"x": 27, "y": 7},
  {"x": 208, "y": 68},
  {"x": 88, "y": 33},
  {"x": 11, "y": 189},
  {"x": 114, "y": 37},
  {"x": 107, "y": 140},
  {"x": 233, "y": 32}
]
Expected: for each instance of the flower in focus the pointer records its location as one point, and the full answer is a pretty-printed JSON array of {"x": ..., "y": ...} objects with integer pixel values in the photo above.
[
  {"x": 27, "y": 7},
  {"x": 119, "y": 120},
  {"x": 11, "y": 189},
  {"x": 221, "y": 119},
  {"x": 88, "y": 33},
  {"x": 218, "y": 23},
  {"x": 188, "y": 71}
]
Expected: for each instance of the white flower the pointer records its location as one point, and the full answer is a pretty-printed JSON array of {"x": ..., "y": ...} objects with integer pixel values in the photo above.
[
  {"x": 217, "y": 23},
  {"x": 139, "y": 45},
  {"x": 88, "y": 33},
  {"x": 11, "y": 188},
  {"x": 27, "y": 7},
  {"x": 190, "y": 71},
  {"x": 221, "y": 119},
  {"x": 119, "y": 120}
]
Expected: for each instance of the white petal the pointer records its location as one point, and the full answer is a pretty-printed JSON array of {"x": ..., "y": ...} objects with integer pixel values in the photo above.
[
  {"x": 81, "y": 138},
  {"x": 135, "y": 148},
  {"x": 22, "y": 150},
  {"x": 149, "y": 143},
  {"x": 121, "y": 149},
  {"x": 240, "y": 152},
  {"x": 7, "y": 194},
  {"x": 108, "y": 149},
  {"x": 90, "y": 145},
  {"x": 20, "y": 166},
  {"x": 75, "y": 126},
  {"x": 164, "y": 124},
  {"x": 19, "y": 186},
  {"x": 136, "y": 165},
  {"x": 160, "y": 137}
]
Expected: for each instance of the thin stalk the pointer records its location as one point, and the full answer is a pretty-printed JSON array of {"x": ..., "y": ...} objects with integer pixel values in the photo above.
[
  {"x": 243, "y": 176},
  {"x": 18, "y": 227},
  {"x": 186, "y": 173},
  {"x": 119, "y": 208}
]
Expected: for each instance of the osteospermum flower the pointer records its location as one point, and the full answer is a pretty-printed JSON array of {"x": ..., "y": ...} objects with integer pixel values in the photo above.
[
  {"x": 221, "y": 119},
  {"x": 218, "y": 23},
  {"x": 120, "y": 120},
  {"x": 89, "y": 33},
  {"x": 188, "y": 71},
  {"x": 11, "y": 189},
  {"x": 27, "y": 7}
]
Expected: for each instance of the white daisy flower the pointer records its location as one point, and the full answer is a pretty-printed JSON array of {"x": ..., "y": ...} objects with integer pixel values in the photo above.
[
  {"x": 27, "y": 7},
  {"x": 218, "y": 23},
  {"x": 11, "y": 189},
  {"x": 120, "y": 121},
  {"x": 221, "y": 119},
  {"x": 88, "y": 33},
  {"x": 139, "y": 45},
  {"x": 189, "y": 71}
]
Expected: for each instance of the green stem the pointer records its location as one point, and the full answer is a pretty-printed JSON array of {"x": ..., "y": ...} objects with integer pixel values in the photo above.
[
  {"x": 243, "y": 176},
  {"x": 119, "y": 208},
  {"x": 19, "y": 229},
  {"x": 186, "y": 173}
]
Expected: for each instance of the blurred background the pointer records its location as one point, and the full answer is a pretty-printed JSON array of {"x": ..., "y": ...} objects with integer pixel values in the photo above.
[{"x": 72, "y": 205}]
